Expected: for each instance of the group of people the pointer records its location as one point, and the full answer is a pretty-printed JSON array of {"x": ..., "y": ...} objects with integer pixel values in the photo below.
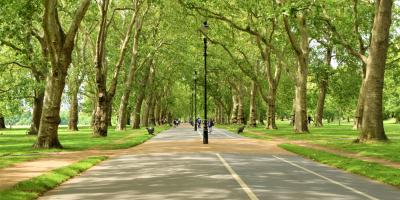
[{"x": 197, "y": 122}]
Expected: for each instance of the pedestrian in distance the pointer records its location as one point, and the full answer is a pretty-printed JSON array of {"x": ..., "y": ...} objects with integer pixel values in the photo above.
[{"x": 210, "y": 125}]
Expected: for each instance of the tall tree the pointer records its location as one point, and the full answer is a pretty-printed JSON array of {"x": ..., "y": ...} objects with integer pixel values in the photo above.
[
  {"x": 104, "y": 96},
  {"x": 372, "y": 123},
  {"x": 300, "y": 45},
  {"x": 60, "y": 45}
]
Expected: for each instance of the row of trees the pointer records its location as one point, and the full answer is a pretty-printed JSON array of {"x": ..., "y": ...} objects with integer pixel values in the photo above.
[
  {"x": 134, "y": 61},
  {"x": 313, "y": 42}
]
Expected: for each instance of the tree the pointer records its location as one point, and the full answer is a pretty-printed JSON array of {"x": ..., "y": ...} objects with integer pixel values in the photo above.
[
  {"x": 60, "y": 45},
  {"x": 300, "y": 46},
  {"x": 372, "y": 123}
]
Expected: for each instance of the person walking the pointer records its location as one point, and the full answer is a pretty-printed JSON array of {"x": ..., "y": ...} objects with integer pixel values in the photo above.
[{"x": 210, "y": 125}]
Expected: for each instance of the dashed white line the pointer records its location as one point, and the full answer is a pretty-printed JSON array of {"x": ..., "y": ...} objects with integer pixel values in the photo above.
[
  {"x": 328, "y": 179},
  {"x": 242, "y": 184}
]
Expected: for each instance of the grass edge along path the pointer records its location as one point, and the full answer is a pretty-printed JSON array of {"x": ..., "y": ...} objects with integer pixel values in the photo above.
[
  {"x": 34, "y": 187},
  {"x": 375, "y": 171},
  {"x": 131, "y": 139}
]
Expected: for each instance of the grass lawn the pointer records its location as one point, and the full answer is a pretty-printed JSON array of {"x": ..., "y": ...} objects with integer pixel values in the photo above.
[
  {"x": 32, "y": 188},
  {"x": 375, "y": 171},
  {"x": 334, "y": 136},
  {"x": 16, "y": 146}
]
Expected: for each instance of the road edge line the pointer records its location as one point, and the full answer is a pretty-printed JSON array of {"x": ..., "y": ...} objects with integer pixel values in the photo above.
[
  {"x": 328, "y": 179},
  {"x": 242, "y": 184}
]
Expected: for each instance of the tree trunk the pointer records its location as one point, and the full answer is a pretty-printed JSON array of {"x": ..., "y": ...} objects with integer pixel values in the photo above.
[
  {"x": 100, "y": 126},
  {"x": 93, "y": 116},
  {"x": 2, "y": 122},
  {"x": 109, "y": 113},
  {"x": 36, "y": 112},
  {"x": 240, "y": 115},
  {"x": 301, "y": 48},
  {"x": 73, "y": 112},
  {"x": 152, "y": 121},
  {"x": 372, "y": 122},
  {"x": 157, "y": 112},
  {"x": 137, "y": 111},
  {"x": 50, "y": 119},
  {"x": 148, "y": 76},
  {"x": 253, "y": 113},
  {"x": 301, "y": 120},
  {"x": 128, "y": 116},
  {"x": 145, "y": 120},
  {"x": 323, "y": 84},
  {"x": 121, "y": 124},
  {"x": 360, "y": 106},
  {"x": 271, "y": 124},
  {"x": 235, "y": 108},
  {"x": 60, "y": 45},
  {"x": 323, "y": 87}
]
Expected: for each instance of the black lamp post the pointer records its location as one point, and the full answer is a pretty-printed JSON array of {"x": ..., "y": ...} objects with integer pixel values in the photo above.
[
  {"x": 194, "y": 100},
  {"x": 205, "y": 130}
]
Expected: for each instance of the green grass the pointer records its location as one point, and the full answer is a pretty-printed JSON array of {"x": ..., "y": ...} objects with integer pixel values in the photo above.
[
  {"x": 32, "y": 188},
  {"x": 16, "y": 146},
  {"x": 375, "y": 171},
  {"x": 335, "y": 136}
]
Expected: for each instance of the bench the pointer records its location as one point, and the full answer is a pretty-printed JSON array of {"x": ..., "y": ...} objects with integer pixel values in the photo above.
[
  {"x": 240, "y": 129},
  {"x": 150, "y": 130}
]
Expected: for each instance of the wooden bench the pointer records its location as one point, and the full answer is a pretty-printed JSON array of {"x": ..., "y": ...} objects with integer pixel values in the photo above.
[
  {"x": 240, "y": 129},
  {"x": 150, "y": 130}
]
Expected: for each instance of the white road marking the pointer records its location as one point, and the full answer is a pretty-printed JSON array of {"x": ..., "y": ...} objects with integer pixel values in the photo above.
[
  {"x": 328, "y": 179},
  {"x": 244, "y": 186}
]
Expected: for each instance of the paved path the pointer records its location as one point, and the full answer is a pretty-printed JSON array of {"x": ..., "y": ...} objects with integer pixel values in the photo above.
[{"x": 175, "y": 165}]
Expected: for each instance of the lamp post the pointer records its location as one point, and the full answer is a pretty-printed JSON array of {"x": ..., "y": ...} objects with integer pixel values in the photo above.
[
  {"x": 205, "y": 129},
  {"x": 195, "y": 100}
]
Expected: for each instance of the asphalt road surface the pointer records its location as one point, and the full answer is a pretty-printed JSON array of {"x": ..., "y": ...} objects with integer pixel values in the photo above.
[{"x": 216, "y": 175}]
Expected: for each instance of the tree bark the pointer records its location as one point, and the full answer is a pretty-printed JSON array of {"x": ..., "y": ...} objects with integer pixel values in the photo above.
[
  {"x": 137, "y": 111},
  {"x": 145, "y": 119},
  {"x": 36, "y": 112},
  {"x": 323, "y": 88},
  {"x": 73, "y": 112},
  {"x": 100, "y": 126},
  {"x": 105, "y": 97},
  {"x": 240, "y": 115},
  {"x": 148, "y": 76},
  {"x": 109, "y": 114},
  {"x": 372, "y": 122},
  {"x": 253, "y": 112},
  {"x": 360, "y": 105},
  {"x": 235, "y": 108},
  {"x": 301, "y": 49},
  {"x": 271, "y": 124},
  {"x": 152, "y": 121},
  {"x": 2, "y": 122},
  {"x": 60, "y": 48},
  {"x": 121, "y": 124}
]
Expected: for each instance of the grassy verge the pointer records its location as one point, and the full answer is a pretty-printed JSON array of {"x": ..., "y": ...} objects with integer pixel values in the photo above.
[
  {"x": 374, "y": 171},
  {"x": 32, "y": 188},
  {"x": 16, "y": 146},
  {"x": 334, "y": 136}
]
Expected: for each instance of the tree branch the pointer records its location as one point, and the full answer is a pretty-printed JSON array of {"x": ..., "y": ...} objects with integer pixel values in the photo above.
[{"x": 80, "y": 13}]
